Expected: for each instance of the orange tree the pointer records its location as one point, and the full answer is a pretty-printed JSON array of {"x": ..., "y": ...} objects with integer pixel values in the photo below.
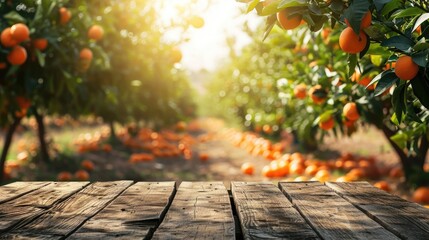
[
  {"x": 371, "y": 34},
  {"x": 143, "y": 82},
  {"x": 41, "y": 61}
]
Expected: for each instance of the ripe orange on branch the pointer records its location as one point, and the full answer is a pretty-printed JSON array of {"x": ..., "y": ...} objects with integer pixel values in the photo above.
[
  {"x": 328, "y": 124},
  {"x": 421, "y": 195},
  {"x": 247, "y": 168},
  {"x": 40, "y": 43},
  {"x": 65, "y": 15},
  {"x": 300, "y": 91},
  {"x": 17, "y": 56},
  {"x": 317, "y": 94},
  {"x": 352, "y": 43},
  {"x": 96, "y": 32},
  {"x": 350, "y": 111},
  {"x": 405, "y": 68},
  {"x": 6, "y": 38},
  {"x": 20, "y": 32},
  {"x": 288, "y": 22},
  {"x": 86, "y": 54}
]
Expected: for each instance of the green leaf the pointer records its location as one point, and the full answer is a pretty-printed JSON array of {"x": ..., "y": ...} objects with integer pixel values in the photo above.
[
  {"x": 40, "y": 57},
  {"x": 386, "y": 81},
  {"x": 271, "y": 21},
  {"x": 14, "y": 17},
  {"x": 398, "y": 101},
  {"x": 421, "y": 58},
  {"x": 400, "y": 139},
  {"x": 399, "y": 42},
  {"x": 352, "y": 62},
  {"x": 421, "y": 89},
  {"x": 355, "y": 12},
  {"x": 420, "y": 20},
  {"x": 408, "y": 12},
  {"x": 252, "y": 5},
  {"x": 292, "y": 3},
  {"x": 379, "y": 4}
]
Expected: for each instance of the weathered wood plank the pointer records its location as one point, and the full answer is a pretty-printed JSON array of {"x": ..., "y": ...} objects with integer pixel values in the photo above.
[
  {"x": 17, "y": 189},
  {"x": 132, "y": 215},
  {"x": 24, "y": 209},
  {"x": 66, "y": 216},
  {"x": 265, "y": 213},
  {"x": 200, "y": 210},
  {"x": 330, "y": 215},
  {"x": 405, "y": 219}
]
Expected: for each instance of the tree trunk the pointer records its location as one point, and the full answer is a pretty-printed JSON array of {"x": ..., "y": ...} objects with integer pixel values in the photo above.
[
  {"x": 41, "y": 132},
  {"x": 6, "y": 145},
  {"x": 113, "y": 138},
  {"x": 410, "y": 164}
]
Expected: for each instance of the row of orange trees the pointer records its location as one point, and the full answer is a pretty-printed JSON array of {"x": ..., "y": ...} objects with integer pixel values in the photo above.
[
  {"x": 333, "y": 66},
  {"x": 108, "y": 58}
]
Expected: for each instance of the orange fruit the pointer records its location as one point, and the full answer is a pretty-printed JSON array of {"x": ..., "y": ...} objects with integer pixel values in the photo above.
[
  {"x": 86, "y": 54},
  {"x": 17, "y": 56},
  {"x": 268, "y": 172},
  {"x": 352, "y": 43},
  {"x": 288, "y": 22},
  {"x": 65, "y": 15},
  {"x": 396, "y": 172},
  {"x": 204, "y": 157},
  {"x": 421, "y": 195},
  {"x": 325, "y": 33},
  {"x": 197, "y": 22},
  {"x": 328, "y": 124},
  {"x": 389, "y": 65},
  {"x": 176, "y": 55},
  {"x": 300, "y": 91},
  {"x": 365, "y": 81},
  {"x": 296, "y": 168},
  {"x": 95, "y": 32},
  {"x": 7, "y": 39},
  {"x": 405, "y": 68},
  {"x": 366, "y": 20},
  {"x": 23, "y": 103},
  {"x": 323, "y": 175},
  {"x": 81, "y": 175},
  {"x": 64, "y": 176},
  {"x": 267, "y": 129},
  {"x": 20, "y": 32},
  {"x": 317, "y": 94},
  {"x": 247, "y": 168},
  {"x": 383, "y": 185},
  {"x": 311, "y": 170},
  {"x": 107, "y": 147},
  {"x": 87, "y": 164},
  {"x": 40, "y": 43},
  {"x": 350, "y": 111}
]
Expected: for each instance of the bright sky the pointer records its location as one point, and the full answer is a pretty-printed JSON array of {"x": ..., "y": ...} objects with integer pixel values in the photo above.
[{"x": 207, "y": 46}]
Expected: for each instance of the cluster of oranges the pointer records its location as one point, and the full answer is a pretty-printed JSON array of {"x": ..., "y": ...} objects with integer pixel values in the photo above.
[
  {"x": 19, "y": 33},
  {"x": 80, "y": 175},
  {"x": 93, "y": 142}
]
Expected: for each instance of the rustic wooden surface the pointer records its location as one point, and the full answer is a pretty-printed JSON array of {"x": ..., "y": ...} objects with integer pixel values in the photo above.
[
  {"x": 132, "y": 215},
  {"x": 330, "y": 215},
  {"x": 410, "y": 221},
  {"x": 26, "y": 208},
  {"x": 205, "y": 210},
  {"x": 200, "y": 210},
  {"x": 66, "y": 216},
  {"x": 265, "y": 213}
]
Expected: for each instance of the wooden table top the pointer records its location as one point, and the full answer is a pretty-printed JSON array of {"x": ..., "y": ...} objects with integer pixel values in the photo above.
[{"x": 206, "y": 210}]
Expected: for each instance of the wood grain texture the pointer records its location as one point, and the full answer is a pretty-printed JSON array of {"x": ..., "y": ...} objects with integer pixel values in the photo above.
[
  {"x": 406, "y": 219},
  {"x": 330, "y": 215},
  {"x": 132, "y": 215},
  {"x": 66, "y": 216},
  {"x": 26, "y": 208},
  {"x": 200, "y": 210},
  {"x": 17, "y": 189},
  {"x": 265, "y": 213}
]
